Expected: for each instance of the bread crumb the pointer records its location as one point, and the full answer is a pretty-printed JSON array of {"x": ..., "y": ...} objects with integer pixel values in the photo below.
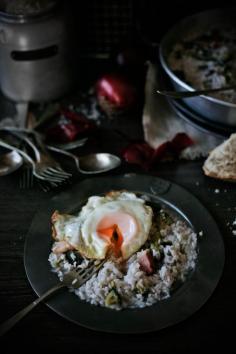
[{"x": 200, "y": 233}]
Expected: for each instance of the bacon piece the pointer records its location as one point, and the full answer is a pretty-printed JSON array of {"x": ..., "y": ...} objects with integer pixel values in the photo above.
[
  {"x": 146, "y": 262},
  {"x": 62, "y": 247}
]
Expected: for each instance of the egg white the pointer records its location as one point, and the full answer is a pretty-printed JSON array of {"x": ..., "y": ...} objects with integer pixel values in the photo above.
[{"x": 81, "y": 231}]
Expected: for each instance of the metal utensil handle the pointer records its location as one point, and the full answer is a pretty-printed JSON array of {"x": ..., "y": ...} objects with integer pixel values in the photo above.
[
  {"x": 11, "y": 322},
  {"x": 28, "y": 141},
  {"x": 187, "y": 94},
  {"x": 19, "y": 133},
  {"x": 66, "y": 153},
  {"x": 15, "y": 129},
  {"x": 22, "y": 153}
]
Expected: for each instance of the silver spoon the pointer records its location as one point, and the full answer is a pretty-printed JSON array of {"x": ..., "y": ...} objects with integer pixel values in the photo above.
[
  {"x": 92, "y": 163},
  {"x": 72, "y": 145},
  {"x": 186, "y": 94},
  {"x": 10, "y": 162}
]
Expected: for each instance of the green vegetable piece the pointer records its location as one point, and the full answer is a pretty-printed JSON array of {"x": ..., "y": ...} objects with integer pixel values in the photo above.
[
  {"x": 164, "y": 219},
  {"x": 155, "y": 245},
  {"x": 113, "y": 298},
  {"x": 140, "y": 288}
]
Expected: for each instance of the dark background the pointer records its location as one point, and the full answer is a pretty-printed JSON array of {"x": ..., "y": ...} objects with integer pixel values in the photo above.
[{"x": 101, "y": 24}]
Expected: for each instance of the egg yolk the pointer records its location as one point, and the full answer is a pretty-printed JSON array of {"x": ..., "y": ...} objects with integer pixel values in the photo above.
[{"x": 116, "y": 228}]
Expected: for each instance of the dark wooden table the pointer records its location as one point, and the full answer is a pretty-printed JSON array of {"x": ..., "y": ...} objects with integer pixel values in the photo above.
[{"x": 213, "y": 325}]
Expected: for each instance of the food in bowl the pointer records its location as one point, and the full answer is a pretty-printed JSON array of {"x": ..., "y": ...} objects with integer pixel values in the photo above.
[
  {"x": 207, "y": 61},
  {"x": 150, "y": 250}
]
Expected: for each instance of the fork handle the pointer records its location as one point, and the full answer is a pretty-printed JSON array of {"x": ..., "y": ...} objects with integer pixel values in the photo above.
[
  {"x": 12, "y": 147},
  {"x": 11, "y": 322},
  {"x": 66, "y": 153}
]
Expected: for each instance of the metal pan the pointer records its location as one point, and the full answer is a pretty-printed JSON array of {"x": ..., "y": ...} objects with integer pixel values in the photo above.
[{"x": 211, "y": 108}]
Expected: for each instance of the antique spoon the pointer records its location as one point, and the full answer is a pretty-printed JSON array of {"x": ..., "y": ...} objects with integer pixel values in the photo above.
[
  {"x": 71, "y": 145},
  {"x": 186, "y": 94},
  {"x": 9, "y": 161},
  {"x": 92, "y": 163}
]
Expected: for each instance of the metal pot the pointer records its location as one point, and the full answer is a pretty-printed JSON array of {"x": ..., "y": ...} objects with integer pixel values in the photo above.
[
  {"x": 211, "y": 108},
  {"x": 34, "y": 56}
]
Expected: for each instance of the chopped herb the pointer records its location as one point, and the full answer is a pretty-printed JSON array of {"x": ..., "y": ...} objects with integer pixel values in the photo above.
[{"x": 113, "y": 298}]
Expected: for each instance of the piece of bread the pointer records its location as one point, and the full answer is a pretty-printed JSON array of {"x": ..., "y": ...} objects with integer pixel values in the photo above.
[{"x": 221, "y": 162}]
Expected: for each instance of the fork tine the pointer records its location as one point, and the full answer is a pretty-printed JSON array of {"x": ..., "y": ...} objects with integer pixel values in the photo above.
[
  {"x": 22, "y": 179},
  {"x": 60, "y": 169},
  {"x": 51, "y": 177},
  {"x": 84, "y": 275},
  {"x": 55, "y": 173},
  {"x": 60, "y": 172},
  {"x": 76, "y": 279},
  {"x": 31, "y": 177},
  {"x": 29, "y": 181},
  {"x": 44, "y": 185},
  {"x": 63, "y": 171},
  {"x": 47, "y": 185},
  {"x": 47, "y": 178},
  {"x": 26, "y": 178}
]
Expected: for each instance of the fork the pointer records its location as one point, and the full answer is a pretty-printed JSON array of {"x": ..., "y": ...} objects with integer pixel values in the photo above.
[
  {"x": 47, "y": 166},
  {"x": 72, "y": 279},
  {"x": 27, "y": 178},
  {"x": 41, "y": 169}
]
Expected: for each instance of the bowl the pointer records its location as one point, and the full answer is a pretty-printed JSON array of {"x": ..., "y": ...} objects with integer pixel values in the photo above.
[{"x": 211, "y": 108}]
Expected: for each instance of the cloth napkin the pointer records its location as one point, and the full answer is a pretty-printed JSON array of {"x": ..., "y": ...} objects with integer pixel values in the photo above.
[{"x": 161, "y": 123}]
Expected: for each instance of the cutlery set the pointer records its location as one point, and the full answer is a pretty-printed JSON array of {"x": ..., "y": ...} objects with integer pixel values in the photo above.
[{"x": 43, "y": 167}]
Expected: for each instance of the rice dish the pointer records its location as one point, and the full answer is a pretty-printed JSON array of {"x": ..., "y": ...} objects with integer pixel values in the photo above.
[
  {"x": 150, "y": 274},
  {"x": 207, "y": 61}
]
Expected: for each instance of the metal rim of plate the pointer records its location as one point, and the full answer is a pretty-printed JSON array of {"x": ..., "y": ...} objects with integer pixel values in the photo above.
[
  {"x": 184, "y": 302},
  {"x": 199, "y": 122}
]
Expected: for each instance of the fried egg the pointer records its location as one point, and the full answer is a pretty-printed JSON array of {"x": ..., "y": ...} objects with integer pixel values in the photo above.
[{"x": 118, "y": 222}]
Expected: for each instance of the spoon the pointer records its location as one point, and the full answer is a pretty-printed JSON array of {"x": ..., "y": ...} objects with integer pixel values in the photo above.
[
  {"x": 186, "y": 94},
  {"x": 10, "y": 161},
  {"x": 92, "y": 163},
  {"x": 71, "y": 145}
]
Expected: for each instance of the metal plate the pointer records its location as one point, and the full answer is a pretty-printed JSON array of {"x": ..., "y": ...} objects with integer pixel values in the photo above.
[
  {"x": 198, "y": 121},
  {"x": 187, "y": 299}
]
